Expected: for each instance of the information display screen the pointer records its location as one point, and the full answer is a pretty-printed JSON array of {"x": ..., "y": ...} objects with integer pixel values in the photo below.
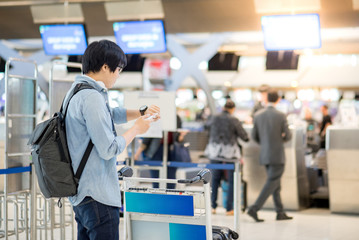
[
  {"x": 64, "y": 39},
  {"x": 291, "y": 32},
  {"x": 140, "y": 36}
]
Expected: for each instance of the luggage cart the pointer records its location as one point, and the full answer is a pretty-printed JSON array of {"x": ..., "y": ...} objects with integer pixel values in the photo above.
[
  {"x": 20, "y": 120},
  {"x": 167, "y": 214}
]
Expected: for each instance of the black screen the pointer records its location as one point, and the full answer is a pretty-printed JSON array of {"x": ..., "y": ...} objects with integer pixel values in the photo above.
[
  {"x": 74, "y": 59},
  {"x": 134, "y": 63},
  {"x": 3, "y": 64},
  {"x": 282, "y": 60},
  {"x": 223, "y": 62}
]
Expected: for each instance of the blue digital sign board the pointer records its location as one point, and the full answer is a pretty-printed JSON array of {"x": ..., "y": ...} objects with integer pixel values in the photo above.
[
  {"x": 64, "y": 39},
  {"x": 141, "y": 36}
]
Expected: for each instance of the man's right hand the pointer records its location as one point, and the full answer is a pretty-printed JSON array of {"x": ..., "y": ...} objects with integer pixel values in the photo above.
[{"x": 142, "y": 124}]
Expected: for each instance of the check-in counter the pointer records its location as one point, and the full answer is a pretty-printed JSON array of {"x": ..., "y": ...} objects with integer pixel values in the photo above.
[
  {"x": 342, "y": 146},
  {"x": 294, "y": 182}
]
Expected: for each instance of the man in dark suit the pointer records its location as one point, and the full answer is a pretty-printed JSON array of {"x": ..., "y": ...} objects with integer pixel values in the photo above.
[
  {"x": 263, "y": 90},
  {"x": 270, "y": 130}
]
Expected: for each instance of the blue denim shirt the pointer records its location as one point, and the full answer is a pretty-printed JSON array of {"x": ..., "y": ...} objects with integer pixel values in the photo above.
[{"x": 89, "y": 116}]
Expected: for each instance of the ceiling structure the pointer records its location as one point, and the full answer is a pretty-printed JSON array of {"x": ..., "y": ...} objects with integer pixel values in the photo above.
[{"x": 206, "y": 16}]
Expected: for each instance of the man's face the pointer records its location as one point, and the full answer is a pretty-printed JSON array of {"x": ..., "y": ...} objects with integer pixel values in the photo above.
[
  {"x": 264, "y": 97},
  {"x": 112, "y": 76},
  {"x": 323, "y": 110}
]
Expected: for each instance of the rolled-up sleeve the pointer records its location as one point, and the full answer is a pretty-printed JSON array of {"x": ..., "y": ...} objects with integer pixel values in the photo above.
[{"x": 119, "y": 115}]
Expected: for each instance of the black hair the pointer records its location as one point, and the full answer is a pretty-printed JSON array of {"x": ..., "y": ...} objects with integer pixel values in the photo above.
[
  {"x": 272, "y": 96},
  {"x": 103, "y": 52},
  {"x": 229, "y": 104}
]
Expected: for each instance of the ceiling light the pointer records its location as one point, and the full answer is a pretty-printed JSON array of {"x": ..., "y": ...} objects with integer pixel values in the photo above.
[
  {"x": 134, "y": 10},
  {"x": 57, "y": 13}
]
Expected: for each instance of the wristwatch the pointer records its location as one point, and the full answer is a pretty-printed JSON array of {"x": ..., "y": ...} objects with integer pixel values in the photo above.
[{"x": 143, "y": 109}]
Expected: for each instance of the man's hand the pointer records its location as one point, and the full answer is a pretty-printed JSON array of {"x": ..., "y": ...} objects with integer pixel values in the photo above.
[{"x": 152, "y": 110}]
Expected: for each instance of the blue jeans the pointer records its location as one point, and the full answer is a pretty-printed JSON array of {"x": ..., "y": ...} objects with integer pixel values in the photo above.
[
  {"x": 217, "y": 175},
  {"x": 171, "y": 172},
  {"x": 96, "y": 221}
]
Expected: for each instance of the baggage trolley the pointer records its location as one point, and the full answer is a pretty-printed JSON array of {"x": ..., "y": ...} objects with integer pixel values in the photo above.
[
  {"x": 169, "y": 214},
  {"x": 159, "y": 213}
]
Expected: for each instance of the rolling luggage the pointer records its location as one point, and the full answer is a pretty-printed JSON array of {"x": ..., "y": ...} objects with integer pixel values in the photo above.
[
  {"x": 244, "y": 203},
  {"x": 223, "y": 233}
]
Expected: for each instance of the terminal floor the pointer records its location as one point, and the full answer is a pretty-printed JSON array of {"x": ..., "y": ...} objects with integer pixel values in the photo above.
[{"x": 309, "y": 224}]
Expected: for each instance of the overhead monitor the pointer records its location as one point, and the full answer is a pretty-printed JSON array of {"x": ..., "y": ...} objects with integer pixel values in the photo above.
[
  {"x": 291, "y": 32},
  {"x": 64, "y": 39},
  {"x": 223, "y": 62},
  {"x": 141, "y": 36},
  {"x": 74, "y": 59},
  {"x": 135, "y": 63},
  {"x": 282, "y": 60}
]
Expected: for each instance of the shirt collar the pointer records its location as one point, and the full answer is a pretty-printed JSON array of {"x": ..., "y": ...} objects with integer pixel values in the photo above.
[
  {"x": 102, "y": 84},
  {"x": 98, "y": 85},
  {"x": 271, "y": 105}
]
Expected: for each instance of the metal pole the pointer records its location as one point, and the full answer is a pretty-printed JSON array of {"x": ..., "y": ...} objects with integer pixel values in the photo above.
[
  {"x": 163, "y": 171},
  {"x": 237, "y": 195},
  {"x": 33, "y": 205},
  {"x": 52, "y": 217},
  {"x": 45, "y": 219},
  {"x": 62, "y": 222},
  {"x": 7, "y": 67},
  {"x": 72, "y": 224},
  {"x": 125, "y": 214},
  {"x": 132, "y": 159},
  {"x": 7, "y": 154},
  {"x": 26, "y": 217},
  {"x": 207, "y": 197}
]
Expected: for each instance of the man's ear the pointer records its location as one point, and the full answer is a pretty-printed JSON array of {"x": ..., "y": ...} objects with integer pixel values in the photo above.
[{"x": 105, "y": 67}]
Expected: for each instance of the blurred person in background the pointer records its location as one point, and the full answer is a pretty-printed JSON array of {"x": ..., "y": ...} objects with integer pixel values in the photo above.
[
  {"x": 224, "y": 131},
  {"x": 152, "y": 150},
  {"x": 311, "y": 130},
  {"x": 270, "y": 130},
  {"x": 263, "y": 90},
  {"x": 326, "y": 121},
  {"x": 203, "y": 115}
]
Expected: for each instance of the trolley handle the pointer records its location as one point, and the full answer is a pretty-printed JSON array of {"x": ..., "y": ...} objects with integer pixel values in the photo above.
[
  {"x": 124, "y": 172},
  {"x": 203, "y": 175}
]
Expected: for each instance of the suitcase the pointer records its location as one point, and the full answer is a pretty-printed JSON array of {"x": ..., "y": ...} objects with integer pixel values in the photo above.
[
  {"x": 244, "y": 191},
  {"x": 223, "y": 233},
  {"x": 244, "y": 196}
]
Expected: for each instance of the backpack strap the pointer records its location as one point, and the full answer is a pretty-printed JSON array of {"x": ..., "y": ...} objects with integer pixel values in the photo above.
[
  {"x": 77, "y": 88},
  {"x": 83, "y": 162},
  {"x": 86, "y": 155}
]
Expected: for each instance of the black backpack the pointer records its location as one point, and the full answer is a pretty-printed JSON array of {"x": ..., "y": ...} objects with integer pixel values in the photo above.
[{"x": 51, "y": 157}]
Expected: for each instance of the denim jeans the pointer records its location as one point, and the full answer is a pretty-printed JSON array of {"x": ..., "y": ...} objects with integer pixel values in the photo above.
[
  {"x": 96, "y": 221},
  {"x": 171, "y": 172},
  {"x": 217, "y": 175}
]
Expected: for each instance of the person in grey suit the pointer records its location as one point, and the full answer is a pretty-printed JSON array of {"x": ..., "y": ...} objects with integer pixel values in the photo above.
[{"x": 270, "y": 130}]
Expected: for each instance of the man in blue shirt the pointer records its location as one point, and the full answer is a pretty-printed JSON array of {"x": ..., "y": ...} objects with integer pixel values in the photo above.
[{"x": 89, "y": 117}]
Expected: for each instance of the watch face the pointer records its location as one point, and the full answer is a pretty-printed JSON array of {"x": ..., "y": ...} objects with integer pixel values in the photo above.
[{"x": 143, "y": 108}]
